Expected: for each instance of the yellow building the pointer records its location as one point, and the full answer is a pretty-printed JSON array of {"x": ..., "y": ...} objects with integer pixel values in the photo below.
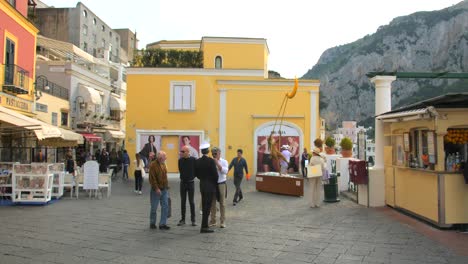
[{"x": 229, "y": 102}]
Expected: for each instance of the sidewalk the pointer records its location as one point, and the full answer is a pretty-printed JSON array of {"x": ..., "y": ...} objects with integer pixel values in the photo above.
[{"x": 263, "y": 228}]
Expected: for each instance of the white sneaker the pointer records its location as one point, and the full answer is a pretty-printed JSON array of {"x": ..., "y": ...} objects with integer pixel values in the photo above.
[
  {"x": 135, "y": 191},
  {"x": 140, "y": 193}
]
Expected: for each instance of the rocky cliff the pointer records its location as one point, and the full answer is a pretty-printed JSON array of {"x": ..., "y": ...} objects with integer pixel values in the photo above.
[{"x": 435, "y": 41}]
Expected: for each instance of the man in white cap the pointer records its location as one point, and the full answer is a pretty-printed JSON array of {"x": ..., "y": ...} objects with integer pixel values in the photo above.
[{"x": 207, "y": 173}]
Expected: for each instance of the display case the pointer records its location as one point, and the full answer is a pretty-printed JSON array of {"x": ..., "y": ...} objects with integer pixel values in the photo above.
[
  {"x": 32, "y": 182},
  {"x": 58, "y": 169},
  {"x": 6, "y": 171},
  {"x": 282, "y": 184}
]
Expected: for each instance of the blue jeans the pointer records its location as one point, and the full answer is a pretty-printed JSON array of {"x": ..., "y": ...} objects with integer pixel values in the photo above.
[
  {"x": 125, "y": 171},
  {"x": 155, "y": 199}
]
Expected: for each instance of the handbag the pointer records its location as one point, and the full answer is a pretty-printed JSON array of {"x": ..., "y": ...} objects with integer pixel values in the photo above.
[{"x": 314, "y": 171}]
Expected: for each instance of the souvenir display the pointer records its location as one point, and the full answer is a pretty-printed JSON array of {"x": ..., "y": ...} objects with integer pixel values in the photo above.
[
  {"x": 58, "y": 171},
  {"x": 6, "y": 170},
  {"x": 32, "y": 182}
]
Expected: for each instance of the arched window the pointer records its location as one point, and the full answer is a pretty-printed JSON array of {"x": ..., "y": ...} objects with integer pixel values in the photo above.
[{"x": 218, "y": 62}]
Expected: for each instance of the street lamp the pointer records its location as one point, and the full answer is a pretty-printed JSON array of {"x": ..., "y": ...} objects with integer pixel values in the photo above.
[
  {"x": 81, "y": 102},
  {"x": 43, "y": 84}
]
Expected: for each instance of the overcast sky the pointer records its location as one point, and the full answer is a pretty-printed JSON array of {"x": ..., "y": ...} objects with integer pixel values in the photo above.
[{"x": 297, "y": 31}]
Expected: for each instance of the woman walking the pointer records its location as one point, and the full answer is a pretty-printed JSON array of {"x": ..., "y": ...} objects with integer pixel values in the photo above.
[
  {"x": 315, "y": 183},
  {"x": 140, "y": 166}
]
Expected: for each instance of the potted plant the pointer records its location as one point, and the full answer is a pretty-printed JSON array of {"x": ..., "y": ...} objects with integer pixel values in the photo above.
[
  {"x": 330, "y": 145},
  {"x": 346, "y": 147}
]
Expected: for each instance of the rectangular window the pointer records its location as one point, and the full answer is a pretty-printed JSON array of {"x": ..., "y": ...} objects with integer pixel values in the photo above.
[
  {"x": 54, "y": 119},
  {"x": 85, "y": 30},
  {"x": 182, "y": 96},
  {"x": 115, "y": 115},
  {"x": 41, "y": 108},
  {"x": 10, "y": 62},
  {"x": 85, "y": 46},
  {"x": 64, "y": 119}
]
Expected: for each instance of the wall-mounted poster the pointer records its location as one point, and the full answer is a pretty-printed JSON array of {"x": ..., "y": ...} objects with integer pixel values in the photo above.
[
  {"x": 193, "y": 144},
  {"x": 431, "y": 147},
  {"x": 406, "y": 142},
  {"x": 400, "y": 153},
  {"x": 148, "y": 146},
  {"x": 286, "y": 136}
]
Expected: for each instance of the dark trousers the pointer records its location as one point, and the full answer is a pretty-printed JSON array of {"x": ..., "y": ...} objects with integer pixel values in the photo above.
[
  {"x": 237, "y": 183},
  {"x": 138, "y": 180},
  {"x": 187, "y": 187},
  {"x": 206, "y": 197}
]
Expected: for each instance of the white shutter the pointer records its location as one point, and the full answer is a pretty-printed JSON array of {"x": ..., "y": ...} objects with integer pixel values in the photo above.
[
  {"x": 187, "y": 97},
  {"x": 178, "y": 97}
]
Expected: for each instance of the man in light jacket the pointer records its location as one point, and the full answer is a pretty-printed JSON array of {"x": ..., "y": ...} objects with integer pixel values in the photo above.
[{"x": 222, "y": 166}]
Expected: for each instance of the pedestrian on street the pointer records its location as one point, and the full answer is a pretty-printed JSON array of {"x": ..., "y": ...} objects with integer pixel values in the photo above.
[
  {"x": 206, "y": 172},
  {"x": 239, "y": 165},
  {"x": 125, "y": 163},
  {"x": 159, "y": 191},
  {"x": 103, "y": 161},
  {"x": 139, "y": 169},
  {"x": 222, "y": 167},
  {"x": 304, "y": 157},
  {"x": 187, "y": 184},
  {"x": 315, "y": 183}
]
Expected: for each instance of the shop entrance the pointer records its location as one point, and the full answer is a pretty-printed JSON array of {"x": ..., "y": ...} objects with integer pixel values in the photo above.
[{"x": 289, "y": 134}]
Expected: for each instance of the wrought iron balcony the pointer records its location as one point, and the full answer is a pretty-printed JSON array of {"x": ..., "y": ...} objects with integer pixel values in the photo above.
[{"x": 16, "y": 79}]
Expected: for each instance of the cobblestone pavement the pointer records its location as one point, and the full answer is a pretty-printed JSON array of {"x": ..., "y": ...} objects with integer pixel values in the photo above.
[{"x": 263, "y": 228}]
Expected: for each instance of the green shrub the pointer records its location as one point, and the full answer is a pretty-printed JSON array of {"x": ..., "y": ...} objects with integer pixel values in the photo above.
[
  {"x": 330, "y": 142},
  {"x": 346, "y": 144}
]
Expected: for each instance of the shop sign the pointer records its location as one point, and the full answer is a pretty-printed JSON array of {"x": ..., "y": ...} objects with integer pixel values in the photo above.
[{"x": 16, "y": 103}]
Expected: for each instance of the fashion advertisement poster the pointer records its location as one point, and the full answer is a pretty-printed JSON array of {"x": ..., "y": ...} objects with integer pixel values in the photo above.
[
  {"x": 192, "y": 142},
  {"x": 148, "y": 145},
  {"x": 289, "y": 136}
]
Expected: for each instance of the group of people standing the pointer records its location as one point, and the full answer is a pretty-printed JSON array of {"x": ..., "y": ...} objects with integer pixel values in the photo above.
[{"x": 212, "y": 174}]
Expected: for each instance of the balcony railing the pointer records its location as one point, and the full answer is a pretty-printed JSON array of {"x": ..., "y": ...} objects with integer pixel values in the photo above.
[
  {"x": 54, "y": 89},
  {"x": 16, "y": 79}
]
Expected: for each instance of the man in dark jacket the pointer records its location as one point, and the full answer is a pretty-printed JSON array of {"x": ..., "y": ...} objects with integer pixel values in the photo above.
[
  {"x": 187, "y": 184},
  {"x": 206, "y": 171},
  {"x": 239, "y": 165}
]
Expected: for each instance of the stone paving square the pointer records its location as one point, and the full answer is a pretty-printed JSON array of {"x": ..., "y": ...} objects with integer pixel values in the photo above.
[{"x": 263, "y": 228}]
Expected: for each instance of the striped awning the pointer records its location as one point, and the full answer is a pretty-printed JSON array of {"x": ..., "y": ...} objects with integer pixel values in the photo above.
[
  {"x": 117, "y": 104},
  {"x": 90, "y": 95},
  {"x": 47, "y": 135}
]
